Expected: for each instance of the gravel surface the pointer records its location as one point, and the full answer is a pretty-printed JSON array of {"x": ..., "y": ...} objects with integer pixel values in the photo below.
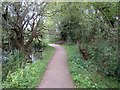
[{"x": 57, "y": 74}]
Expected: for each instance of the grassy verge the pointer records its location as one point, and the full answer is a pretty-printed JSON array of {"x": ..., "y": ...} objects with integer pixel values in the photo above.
[
  {"x": 31, "y": 75},
  {"x": 82, "y": 73}
]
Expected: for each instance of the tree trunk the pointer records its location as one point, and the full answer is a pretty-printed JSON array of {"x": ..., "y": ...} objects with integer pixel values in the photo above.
[{"x": 82, "y": 50}]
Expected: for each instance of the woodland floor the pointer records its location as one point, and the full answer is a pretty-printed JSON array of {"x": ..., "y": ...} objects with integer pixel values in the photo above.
[{"x": 57, "y": 74}]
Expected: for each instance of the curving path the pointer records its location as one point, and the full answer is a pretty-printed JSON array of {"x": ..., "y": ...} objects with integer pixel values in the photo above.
[{"x": 57, "y": 74}]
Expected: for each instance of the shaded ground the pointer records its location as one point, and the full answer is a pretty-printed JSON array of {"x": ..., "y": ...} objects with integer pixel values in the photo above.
[{"x": 57, "y": 74}]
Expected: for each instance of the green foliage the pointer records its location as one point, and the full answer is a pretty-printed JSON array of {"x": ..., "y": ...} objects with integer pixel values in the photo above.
[
  {"x": 109, "y": 11},
  {"x": 90, "y": 27},
  {"x": 30, "y": 76},
  {"x": 68, "y": 29},
  {"x": 104, "y": 54},
  {"x": 84, "y": 73},
  {"x": 14, "y": 61}
]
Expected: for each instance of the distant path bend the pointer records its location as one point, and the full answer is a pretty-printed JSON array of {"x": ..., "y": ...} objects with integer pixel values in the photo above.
[{"x": 57, "y": 74}]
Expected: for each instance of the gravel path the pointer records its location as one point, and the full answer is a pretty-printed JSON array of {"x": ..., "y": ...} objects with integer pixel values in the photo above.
[{"x": 57, "y": 74}]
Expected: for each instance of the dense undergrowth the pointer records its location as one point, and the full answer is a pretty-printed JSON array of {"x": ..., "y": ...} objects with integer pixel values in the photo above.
[
  {"x": 84, "y": 73},
  {"x": 30, "y": 76}
]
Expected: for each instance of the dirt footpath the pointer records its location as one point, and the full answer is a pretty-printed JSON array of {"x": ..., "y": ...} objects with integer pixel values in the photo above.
[{"x": 57, "y": 74}]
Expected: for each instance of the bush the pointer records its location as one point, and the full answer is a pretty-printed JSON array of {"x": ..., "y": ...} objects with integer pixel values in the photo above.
[
  {"x": 29, "y": 76},
  {"x": 105, "y": 58},
  {"x": 14, "y": 61},
  {"x": 84, "y": 73}
]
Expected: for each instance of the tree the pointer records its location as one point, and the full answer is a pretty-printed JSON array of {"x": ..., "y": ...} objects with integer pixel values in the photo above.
[
  {"x": 23, "y": 18},
  {"x": 93, "y": 28},
  {"x": 22, "y": 25}
]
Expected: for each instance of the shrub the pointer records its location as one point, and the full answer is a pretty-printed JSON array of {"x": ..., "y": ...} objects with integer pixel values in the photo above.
[
  {"x": 14, "y": 61},
  {"x": 30, "y": 76},
  {"x": 84, "y": 72}
]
